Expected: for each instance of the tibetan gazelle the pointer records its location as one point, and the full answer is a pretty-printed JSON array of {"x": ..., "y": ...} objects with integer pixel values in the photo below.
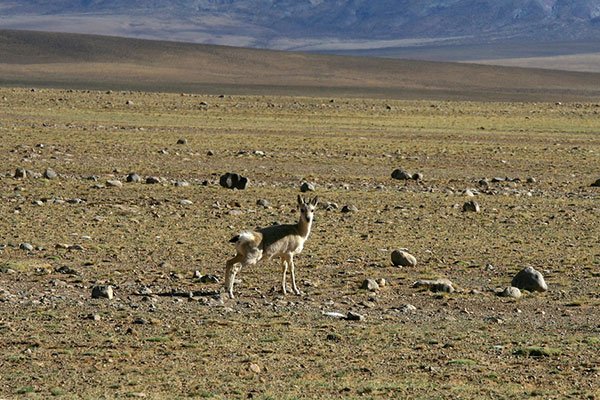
[{"x": 278, "y": 240}]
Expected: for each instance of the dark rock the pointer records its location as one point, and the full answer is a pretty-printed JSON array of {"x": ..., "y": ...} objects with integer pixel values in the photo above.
[
  {"x": 182, "y": 141},
  {"x": 471, "y": 206},
  {"x": 133, "y": 178},
  {"x": 20, "y": 173},
  {"x": 102, "y": 292},
  {"x": 209, "y": 279},
  {"x": 349, "y": 209},
  {"x": 307, "y": 187},
  {"x": 233, "y": 181},
  {"x": 152, "y": 180},
  {"x": 352, "y": 316},
  {"x": 401, "y": 175},
  {"x": 596, "y": 184},
  {"x": 530, "y": 279}
]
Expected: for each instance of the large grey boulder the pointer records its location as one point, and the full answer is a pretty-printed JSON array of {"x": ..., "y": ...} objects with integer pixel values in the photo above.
[{"x": 530, "y": 279}]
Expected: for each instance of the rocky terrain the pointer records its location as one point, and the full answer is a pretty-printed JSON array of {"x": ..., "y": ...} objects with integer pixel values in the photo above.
[{"x": 454, "y": 252}]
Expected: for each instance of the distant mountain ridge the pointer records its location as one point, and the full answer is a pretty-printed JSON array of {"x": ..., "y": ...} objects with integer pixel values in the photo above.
[{"x": 315, "y": 24}]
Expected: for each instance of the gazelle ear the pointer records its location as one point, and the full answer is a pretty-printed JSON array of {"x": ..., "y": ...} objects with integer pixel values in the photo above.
[
  {"x": 315, "y": 201},
  {"x": 300, "y": 201}
]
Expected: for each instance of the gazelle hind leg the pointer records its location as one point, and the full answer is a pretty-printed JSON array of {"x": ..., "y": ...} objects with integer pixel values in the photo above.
[
  {"x": 290, "y": 261},
  {"x": 231, "y": 269},
  {"x": 284, "y": 268}
]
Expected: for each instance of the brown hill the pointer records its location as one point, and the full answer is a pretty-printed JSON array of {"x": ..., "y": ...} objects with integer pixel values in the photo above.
[{"x": 103, "y": 62}]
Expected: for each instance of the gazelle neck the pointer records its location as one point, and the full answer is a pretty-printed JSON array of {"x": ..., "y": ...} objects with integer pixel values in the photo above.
[{"x": 304, "y": 227}]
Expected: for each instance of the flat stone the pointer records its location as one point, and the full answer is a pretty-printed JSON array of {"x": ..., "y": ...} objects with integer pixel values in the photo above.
[
  {"x": 439, "y": 285},
  {"x": 511, "y": 292},
  {"x": 403, "y": 258},
  {"x": 114, "y": 183}
]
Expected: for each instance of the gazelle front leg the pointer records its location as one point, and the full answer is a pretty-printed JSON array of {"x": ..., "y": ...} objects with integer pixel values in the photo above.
[
  {"x": 284, "y": 268},
  {"x": 290, "y": 260}
]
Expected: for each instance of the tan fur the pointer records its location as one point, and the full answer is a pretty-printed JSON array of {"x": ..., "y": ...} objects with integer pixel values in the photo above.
[{"x": 283, "y": 241}]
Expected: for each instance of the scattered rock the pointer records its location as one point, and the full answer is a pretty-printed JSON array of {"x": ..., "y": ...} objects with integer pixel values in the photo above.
[
  {"x": 408, "y": 308},
  {"x": 596, "y": 184},
  {"x": 102, "y": 292},
  {"x": 186, "y": 202},
  {"x": 152, "y": 180},
  {"x": 417, "y": 176},
  {"x": 182, "y": 141},
  {"x": 20, "y": 173},
  {"x": 129, "y": 102},
  {"x": 26, "y": 246},
  {"x": 403, "y": 258},
  {"x": 352, "y": 316},
  {"x": 401, "y": 175},
  {"x": 114, "y": 183},
  {"x": 181, "y": 184},
  {"x": 93, "y": 317},
  {"x": 253, "y": 367},
  {"x": 530, "y": 279},
  {"x": 263, "y": 203},
  {"x": 66, "y": 270},
  {"x": 439, "y": 285},
  {"x": 197, "y": 275},
  {"x": 511, "y": 292},
  {"x": 135, "y": 178},
  {"x": 471, "y": 206},
  {"x": 307, "y": 187},
  {"x": 349, "y": 209},
  {"x": 209, "y": 279},
  {"x": 233, "y": 181},
  {"x": 50, "y": 174},
  {"x": 381, "y": 282},
  {"x": 533, "y": 180},
  {"x": 370, "y": 284},
  {"x": 334, "y": 314}
]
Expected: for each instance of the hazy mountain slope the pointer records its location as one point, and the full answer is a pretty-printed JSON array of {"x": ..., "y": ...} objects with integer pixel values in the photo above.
[
  {"x": 89, "y": 61},
  {"x": 308, "y": 24}
]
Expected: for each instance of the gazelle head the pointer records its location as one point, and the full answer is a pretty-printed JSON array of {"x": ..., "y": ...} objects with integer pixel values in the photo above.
[{"x": 307, "y": 208}]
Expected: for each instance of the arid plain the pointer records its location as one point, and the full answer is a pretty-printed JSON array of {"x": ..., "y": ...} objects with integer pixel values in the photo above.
[{"x": 166, "y": 334}]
